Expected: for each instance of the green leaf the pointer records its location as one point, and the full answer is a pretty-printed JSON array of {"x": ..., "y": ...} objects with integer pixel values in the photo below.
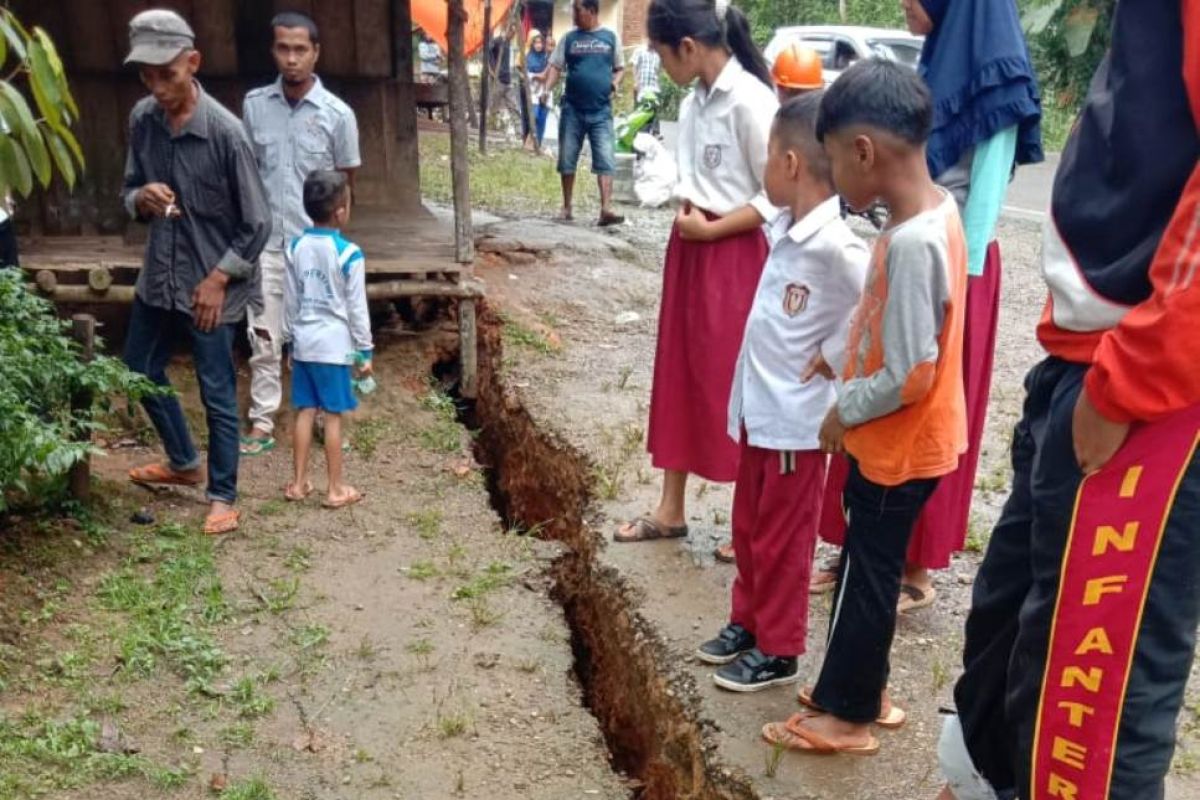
[
  {"x": 64, "y": 91},
  {"x": 1038, "y": 19},
  {"x": 3, "y": 50},
  {"x": 16, "y": 110},
  {"x": 44, "y": 82},
  {"x": 62, "y": 157},
  {"x": 39, "y": 156},
  {"x": 1078, "y": 27},
  {"x": 14, "y": 34},
  {"x": 14, "y": 168},
  {"x": 72, "y": 144}
]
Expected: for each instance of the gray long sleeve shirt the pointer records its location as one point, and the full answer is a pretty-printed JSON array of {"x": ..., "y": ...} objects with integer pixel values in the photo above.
[{"x": 224, "y": 215}]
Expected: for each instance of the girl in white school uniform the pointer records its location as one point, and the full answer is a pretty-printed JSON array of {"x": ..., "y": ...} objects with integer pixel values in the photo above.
[{"x": 717, "y": 248}]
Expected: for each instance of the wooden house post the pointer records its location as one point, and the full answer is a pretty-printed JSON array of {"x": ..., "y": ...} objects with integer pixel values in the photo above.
[{"x": 464, "y": 238}]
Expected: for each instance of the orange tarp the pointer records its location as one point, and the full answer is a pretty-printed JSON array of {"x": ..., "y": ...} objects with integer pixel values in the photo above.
[{"x": 430, "y": 15}]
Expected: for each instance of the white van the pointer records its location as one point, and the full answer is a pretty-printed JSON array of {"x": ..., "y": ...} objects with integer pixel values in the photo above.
[{"x": 842, "y": 45}]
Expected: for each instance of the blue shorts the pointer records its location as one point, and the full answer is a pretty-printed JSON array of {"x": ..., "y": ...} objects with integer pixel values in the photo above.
[
  {"x": 597, "y": 126},
  {"x": 323, "y": 386}
]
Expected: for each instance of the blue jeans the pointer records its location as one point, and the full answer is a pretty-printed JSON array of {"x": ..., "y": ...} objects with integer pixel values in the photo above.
[
  {"x": 153, "y": 333},
  {"x": 597, "y": 126}
]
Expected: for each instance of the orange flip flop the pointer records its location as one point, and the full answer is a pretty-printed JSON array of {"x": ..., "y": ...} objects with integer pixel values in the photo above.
[
  {"x": 891, "y": 716},
  {"x": 225, "y": 522},
  {"x": 794, "y": 736},
  {"x": 161, "y": 475}
]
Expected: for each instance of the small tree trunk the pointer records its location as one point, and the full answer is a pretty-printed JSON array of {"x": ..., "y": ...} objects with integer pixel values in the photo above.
[
  {"x": 83, "y": 330},
  {"x": 842, "y": 10},
  {"x": 486, "y": 83}
]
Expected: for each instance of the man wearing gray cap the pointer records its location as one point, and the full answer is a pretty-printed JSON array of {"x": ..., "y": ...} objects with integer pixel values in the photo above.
[{"x": 190, "y": 174}]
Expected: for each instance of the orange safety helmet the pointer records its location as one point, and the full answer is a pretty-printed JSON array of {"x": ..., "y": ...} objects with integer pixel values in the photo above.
[{"x": 798, "y": 67}]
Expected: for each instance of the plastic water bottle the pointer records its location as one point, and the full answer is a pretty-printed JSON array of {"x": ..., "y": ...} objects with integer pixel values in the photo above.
[{"x": 366, "y": 384}]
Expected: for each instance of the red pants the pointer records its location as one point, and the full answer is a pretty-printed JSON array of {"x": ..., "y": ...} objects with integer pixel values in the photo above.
[{"x": 775, "y": 519}]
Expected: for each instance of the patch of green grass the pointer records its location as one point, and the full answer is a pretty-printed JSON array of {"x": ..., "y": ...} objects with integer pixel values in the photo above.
[
  {"x": 280, "y": 594},
  {"x": 518, "y": 334},
  {"x": 366, "y": 435},
  {"x": 271, "y": 508},
  {"x": 493, "y": 576},
  {"x": 310, "y": 637},
  {"x": 248, "y": 789},
  {"x": 422, "y": 571},
  {"x": 978, "y": 534},
  {"x": 428, "y": 523},
  {"x": 169, "y": 595},
  {"x": 773, "y": 758},
  {"x": 420, "y": 647},
  {"x": 453, "y": 725},
  {"x": 249, "y": 700},
  {"x": 366, "y": 650},
  {"x": 299, "y": 559},
  {"x": 239, "y": 736},
  {"x": 608, "y": 480},
  {"x": 444, "y": 435},
  {"x": 40, "y": 756},
  {"x": 483, "y": 615},
  {"x": 504, "y": 179}
]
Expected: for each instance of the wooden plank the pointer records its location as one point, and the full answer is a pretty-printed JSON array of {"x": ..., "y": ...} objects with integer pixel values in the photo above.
[
  {"x": 214, "y": 22},
  {"x": 372, "y": 38},
  {"x": 86, "y": 50},
  {"x": 468, "y": 354},
  {"x": 464, "y": 238},
  {"x": 303, "y": 6},
  {"x": 335, "y": 18}
]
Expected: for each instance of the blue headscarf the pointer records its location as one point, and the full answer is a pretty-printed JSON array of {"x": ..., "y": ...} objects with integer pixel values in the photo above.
[{"x": 977, "y": 66}]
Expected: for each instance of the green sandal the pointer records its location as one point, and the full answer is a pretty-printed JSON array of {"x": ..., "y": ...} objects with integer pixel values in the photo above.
[{"x": 256, "y": 446}]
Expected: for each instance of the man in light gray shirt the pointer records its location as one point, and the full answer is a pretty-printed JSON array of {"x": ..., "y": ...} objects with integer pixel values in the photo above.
[
  {"x": 191, "y": 175},
  {"x": 296, "y": 127}
]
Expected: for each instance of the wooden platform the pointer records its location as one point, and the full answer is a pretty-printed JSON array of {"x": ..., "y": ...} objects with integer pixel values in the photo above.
[{"x": 407, "y": 254}]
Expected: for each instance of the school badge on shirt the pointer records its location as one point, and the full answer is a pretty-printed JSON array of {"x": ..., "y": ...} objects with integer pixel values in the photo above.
[
  {"x": 795, "y": 298},
  {"x": 712, "y": 156}
]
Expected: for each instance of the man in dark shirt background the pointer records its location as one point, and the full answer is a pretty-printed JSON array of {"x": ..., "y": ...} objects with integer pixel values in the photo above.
[{"x": 190, "y": 173}]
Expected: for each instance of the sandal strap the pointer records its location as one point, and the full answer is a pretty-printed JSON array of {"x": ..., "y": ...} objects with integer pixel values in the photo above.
[{"x": 815, "y": 741}]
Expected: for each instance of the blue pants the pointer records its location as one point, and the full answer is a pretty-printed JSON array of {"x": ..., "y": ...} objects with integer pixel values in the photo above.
[
  {"x": 153, "y": 334},
  {"x": 597, "y": 126},
  {"x": 540, "y": 116}
]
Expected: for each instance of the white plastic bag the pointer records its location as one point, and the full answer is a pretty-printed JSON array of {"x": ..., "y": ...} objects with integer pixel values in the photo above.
[{"x": 655, "y": 173}]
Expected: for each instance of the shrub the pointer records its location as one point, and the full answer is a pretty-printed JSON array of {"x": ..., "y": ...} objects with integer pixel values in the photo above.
[{"x": 40, "y": 370}]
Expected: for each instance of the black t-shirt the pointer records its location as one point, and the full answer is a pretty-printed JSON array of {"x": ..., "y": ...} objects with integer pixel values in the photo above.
[{"x": 500, "y": 58}]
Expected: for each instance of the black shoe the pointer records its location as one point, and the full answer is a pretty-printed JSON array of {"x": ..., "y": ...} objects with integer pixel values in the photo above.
[
  {"x": 756, "y": 671},
  {"x": 731, "y": 642}
]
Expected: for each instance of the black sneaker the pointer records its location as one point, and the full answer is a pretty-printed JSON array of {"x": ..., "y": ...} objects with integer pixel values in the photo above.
[
  {"x": 756, "y": 671},
  {"x": 731, "y": 642}
]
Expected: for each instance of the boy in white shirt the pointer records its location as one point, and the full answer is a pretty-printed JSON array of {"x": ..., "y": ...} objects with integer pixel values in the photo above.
[
  {"x": 329, "y": 328},
  {"x": 809, "y": 288}
]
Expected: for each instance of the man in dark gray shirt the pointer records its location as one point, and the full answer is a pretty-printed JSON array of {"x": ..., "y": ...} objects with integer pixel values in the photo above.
[{"x": 190, "y": 173}]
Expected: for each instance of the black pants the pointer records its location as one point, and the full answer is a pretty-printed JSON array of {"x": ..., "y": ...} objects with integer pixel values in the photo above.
[
  {"x": 8, "y": 245},
  {"x": 1052, "y": 685},
  {"x": 880, "y": 522}
]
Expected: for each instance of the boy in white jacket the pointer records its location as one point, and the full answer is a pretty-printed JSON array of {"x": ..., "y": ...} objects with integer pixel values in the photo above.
[{"x": 329, "y": 329}]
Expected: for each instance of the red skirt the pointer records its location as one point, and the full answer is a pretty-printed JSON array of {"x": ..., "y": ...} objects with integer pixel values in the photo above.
[
  {"x": 942, "y": 527},
  {"x": 708, "y": 288}
]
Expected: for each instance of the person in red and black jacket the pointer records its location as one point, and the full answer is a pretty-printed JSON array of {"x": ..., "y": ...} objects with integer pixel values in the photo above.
[{"x": 1082, "y": 627}]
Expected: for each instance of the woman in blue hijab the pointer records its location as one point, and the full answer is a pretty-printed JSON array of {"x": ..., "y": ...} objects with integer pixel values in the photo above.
[{"x": 987, "y": 120}]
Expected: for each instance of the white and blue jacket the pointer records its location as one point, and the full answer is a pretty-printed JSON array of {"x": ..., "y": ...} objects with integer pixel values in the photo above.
[{"x": 325, "y": 299}]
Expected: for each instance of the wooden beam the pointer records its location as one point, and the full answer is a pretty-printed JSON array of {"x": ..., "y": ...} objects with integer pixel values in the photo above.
[
  {"x": 485, "y": 79},
  {"x": 468, "y": 353},
  {"x": 460, "y": 172},
  {"x": 381, "y": 290}
]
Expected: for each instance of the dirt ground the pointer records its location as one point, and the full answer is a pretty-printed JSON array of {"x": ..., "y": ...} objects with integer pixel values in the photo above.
[
  {"x": 466, "y": 630},
  {"x": 593, "y": 391}
]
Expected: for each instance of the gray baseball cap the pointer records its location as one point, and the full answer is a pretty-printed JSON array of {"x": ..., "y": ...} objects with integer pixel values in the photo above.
[{"x": 157, "y": 37}]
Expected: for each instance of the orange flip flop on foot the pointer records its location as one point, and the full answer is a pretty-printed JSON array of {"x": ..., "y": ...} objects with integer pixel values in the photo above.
[
  {"x": 162, "y": 475},
  {"x": 350, "y": 498},
  {"x": 891, "y": 716},
  {"x": 793, "y": 735},
  {"x": 224, "y": 522}
]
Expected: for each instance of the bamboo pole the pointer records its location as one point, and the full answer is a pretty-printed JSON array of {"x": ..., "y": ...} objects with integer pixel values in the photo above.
[
  {"x": 485, "y": 84},
  {"x": 83, "y": 331}
]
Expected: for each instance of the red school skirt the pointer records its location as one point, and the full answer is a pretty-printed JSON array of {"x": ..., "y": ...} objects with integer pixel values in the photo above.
[
  {"x": 941, "y": 530},
  {"x": 708, "y": 289}
]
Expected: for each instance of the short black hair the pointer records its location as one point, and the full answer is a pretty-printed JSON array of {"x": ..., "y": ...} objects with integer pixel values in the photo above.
[
  {"x": 879, "y": 94},
  {"x": 796, "y": 127},
  {"x": 294, "y": 19},
  {"x": 324, "y": 193},
  {"x": 591, "y": 5}
]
